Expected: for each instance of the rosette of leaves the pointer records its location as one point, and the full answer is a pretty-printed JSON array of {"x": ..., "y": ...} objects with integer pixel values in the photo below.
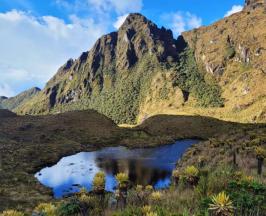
[
  {"x": 191, "y": 175},
  {"x": 122, "y": 179},
  {"x": 221, "y": 205},
  {"x": 47, "y": 209}
]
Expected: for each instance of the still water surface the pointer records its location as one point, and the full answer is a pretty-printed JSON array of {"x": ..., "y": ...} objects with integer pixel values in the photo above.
[{"x": 144, "y": 166}]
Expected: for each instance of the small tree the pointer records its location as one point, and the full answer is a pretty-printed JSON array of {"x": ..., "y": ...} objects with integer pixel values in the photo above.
[
  {"x": 260, "y": 154},
  {"x": 191, "y": 175},
  {"x": 123, "y": 183},
  {"x": 99, "y": 183},
  {"x": 176, "y": 176}
]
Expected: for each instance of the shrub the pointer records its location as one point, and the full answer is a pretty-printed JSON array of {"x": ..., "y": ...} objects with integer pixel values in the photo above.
[
  {"x": 248, "y": 196},
  {"x": 12, "y": 213},
  {"x": 230, "y": 52},
  {"x": 86, "y": 203},
  {"x": 149, "y": 188},
  {"x": 48, "y": 209},
  {"x": 221, "y": 205},
  {"x": 191, "y": 171},
  {"x": 176, "y": 176},
  {"x": 190, "y": 176},
  {"x": 68, "y": 208},
  {"x": 156, "y": 196},
  {"x": 188, "y": 78},
  {"x": 146, "y": 209}
]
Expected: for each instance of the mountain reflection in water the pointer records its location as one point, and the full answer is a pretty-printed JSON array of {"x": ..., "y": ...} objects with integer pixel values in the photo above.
[{"x": 144, "y": 166}]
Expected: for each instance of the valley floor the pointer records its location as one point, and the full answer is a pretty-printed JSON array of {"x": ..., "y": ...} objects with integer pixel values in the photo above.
[{"x": 29, "y": 143}]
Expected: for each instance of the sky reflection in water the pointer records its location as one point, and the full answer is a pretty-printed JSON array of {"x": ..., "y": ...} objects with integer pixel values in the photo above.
[{"x": 144, "y": 166}]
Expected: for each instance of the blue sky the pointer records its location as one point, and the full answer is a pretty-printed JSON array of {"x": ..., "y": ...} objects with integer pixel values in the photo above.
[{"x": 37, "y": 36}]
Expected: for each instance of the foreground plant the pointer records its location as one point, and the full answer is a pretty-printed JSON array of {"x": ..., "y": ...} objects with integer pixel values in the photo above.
[
  {"x": 156, "y": 196},
  {"x": 176, "y": 176},
  {"x": 47, "y": 209},
  {"x": 191, "y": 175},
  {"x": 261, "y": 155},
  {"x": 86, "y": 203},
  {"x": 121, "y": 193},
  {"x": 99, "y": 183},
  {"x": 221, "y": 205},
  {"x": 147, "y": 211},
  {"x": 122, "y": 179},
  {"x": 12, "y": 213}
]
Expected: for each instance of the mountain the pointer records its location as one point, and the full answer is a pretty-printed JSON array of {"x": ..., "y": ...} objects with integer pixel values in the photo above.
[
  {"x": 14, "y": 102},
  {"x": 141, "y": 70}
]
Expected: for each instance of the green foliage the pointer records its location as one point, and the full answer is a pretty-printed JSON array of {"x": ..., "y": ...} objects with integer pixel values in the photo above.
[
  {"x": 248, "y": 197},
  {"x": 68, "y": 208},
  {"x": 122, "y": 179},
  {"x": 221, "y": 205},
  {"x": 188, "y": 77},
  {"x": 191, "y": 171},
  {"x": 260, "y": 152},
  {"x": 230, "y": 52},
  {"x": 12, "y": 213},
  {"x": 129, "y": 211},
  {"x": 46, "y": 209},
  {"x": 99, "y": 182},
  {"x": 121, "y": 93}
]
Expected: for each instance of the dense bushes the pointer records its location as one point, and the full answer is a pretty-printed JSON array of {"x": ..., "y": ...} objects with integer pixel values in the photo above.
[
  {"x": 249, "y": 197},
  {"x": 120, "y": 94},
  {"x": 188, "y": 77}
]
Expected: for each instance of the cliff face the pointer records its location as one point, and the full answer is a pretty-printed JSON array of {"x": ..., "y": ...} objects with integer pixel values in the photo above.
[{"x": 141, "y": 70}]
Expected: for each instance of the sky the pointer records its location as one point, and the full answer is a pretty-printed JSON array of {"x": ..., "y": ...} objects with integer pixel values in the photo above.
[{"x": 38, "y": 36}]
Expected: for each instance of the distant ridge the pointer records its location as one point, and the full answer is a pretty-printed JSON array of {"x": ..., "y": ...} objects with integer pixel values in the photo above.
[{"x": 13, "y": 102}]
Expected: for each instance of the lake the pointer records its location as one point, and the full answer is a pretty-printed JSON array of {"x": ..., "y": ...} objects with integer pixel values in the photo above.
[{"x": 145, "y": 166}]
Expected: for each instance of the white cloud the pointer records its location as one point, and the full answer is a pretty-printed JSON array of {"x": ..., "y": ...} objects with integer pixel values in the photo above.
[
  {"x": 32, "y": 48},
  {"x": 120, "y": 20},
  {"x": 102, "y": 6},
  {"x": 180, "y": 21},
  {"x": 234, "y": 9},
  {"x": 5, "y": 90}
]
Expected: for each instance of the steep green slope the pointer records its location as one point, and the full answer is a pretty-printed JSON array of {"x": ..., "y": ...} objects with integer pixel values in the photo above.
[{"x": 14, "y": 102}]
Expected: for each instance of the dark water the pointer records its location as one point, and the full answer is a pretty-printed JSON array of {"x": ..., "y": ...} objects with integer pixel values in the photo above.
[{"x": 144, "y": 166}]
